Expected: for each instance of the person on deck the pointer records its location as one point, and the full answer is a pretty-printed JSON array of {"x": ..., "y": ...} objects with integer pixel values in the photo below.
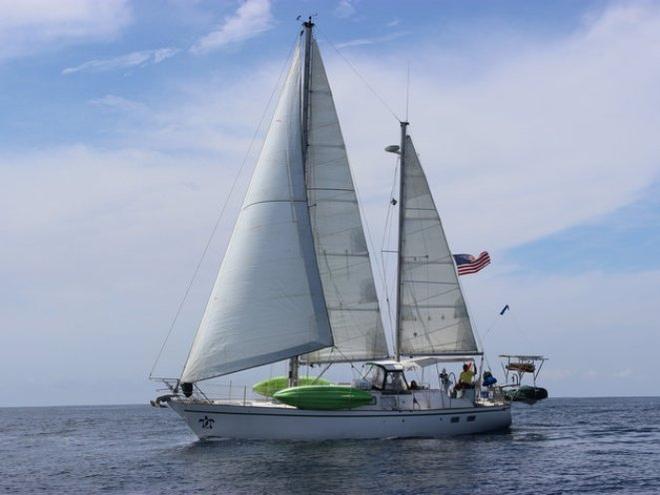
[
  {"x": 465, "y": 378},
  {"x": 489, "y": 379}
]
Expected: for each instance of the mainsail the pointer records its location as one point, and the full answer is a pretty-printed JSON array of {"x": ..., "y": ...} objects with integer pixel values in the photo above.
[
  {"x": 296, "y": 277},
  {"x": 433, "y": 318},
  {"x": 341, "y": 248},
  {"x": 267, "y": 303}
]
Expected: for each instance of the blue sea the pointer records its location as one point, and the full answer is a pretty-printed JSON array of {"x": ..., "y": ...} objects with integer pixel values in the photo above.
[{"x": 605, "y": 445}]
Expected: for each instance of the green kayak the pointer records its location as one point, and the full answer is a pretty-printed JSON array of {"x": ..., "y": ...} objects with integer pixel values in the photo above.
[
  {"x": 324, "y": 397},
  {"x": 268, "y": 387}
]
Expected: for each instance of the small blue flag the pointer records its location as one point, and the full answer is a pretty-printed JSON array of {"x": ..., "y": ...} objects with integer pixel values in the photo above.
[{"x": 504, "y": 310}]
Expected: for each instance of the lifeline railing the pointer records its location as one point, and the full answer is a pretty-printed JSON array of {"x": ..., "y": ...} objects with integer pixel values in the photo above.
[
  {"x": 231, "y": 392},
  {"x": 210, "y": 392}
]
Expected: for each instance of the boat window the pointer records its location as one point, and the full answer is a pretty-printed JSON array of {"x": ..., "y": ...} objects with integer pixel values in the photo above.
[
  {"x": 455, "y": 419},
  {"x": 471, "y": 418},
  {"x": 395, "y": 381},
  {"x": 376, "y": 375}
]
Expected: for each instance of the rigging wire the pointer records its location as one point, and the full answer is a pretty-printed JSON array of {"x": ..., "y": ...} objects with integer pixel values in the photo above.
[
  {"x": 347, "y": 361},
  {"x": 495, "y": 322},
  {"x": 380, "y": 271},
  {"x": 387, "y": 233},
  {"x": 491, "y": 327},
  {"x": 371, "y": 246},
  {"x": 278, "y": 83},
  {"x": 520, "y": 330},
  {"x": 360, "y": 76},
  {"x": 381, "y": 268},
  {"x": 375, "y": 273}
]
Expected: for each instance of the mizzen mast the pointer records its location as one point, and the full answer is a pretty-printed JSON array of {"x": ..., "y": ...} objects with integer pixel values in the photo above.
[{"x": 402, "y": 154}]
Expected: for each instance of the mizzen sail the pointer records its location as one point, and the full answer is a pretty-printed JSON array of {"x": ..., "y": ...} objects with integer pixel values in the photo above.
[{"x": 433, "y": 317}]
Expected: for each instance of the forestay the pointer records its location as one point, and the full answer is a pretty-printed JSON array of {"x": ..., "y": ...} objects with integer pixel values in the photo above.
[
  {"x": 341, "y": 248},
  {"x": 267, "y": 303},
  {"x": 433, "y": 316}
]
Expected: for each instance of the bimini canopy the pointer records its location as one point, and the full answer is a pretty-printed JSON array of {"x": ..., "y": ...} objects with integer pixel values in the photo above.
[
  {"x": 387, "y": 364},
  {"x": 424, "y": 361}
]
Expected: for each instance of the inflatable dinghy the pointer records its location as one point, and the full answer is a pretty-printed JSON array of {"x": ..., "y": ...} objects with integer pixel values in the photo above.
[{"x": 526, "y": 394}]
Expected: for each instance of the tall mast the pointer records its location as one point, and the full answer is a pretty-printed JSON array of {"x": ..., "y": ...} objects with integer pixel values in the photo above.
[
  {"x": 306, "y": 76},
  {"x": 307, "y": 67},
  {"x": 402, "y": 160}
]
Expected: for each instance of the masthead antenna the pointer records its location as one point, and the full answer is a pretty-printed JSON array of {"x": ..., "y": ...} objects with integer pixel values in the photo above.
[
  {"x": 407, "y": 90},
  {"x": 308, "y": 23}
]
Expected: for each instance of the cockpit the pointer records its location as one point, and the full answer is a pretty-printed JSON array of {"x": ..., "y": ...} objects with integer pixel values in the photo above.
[{"x": 387, "y": 377}]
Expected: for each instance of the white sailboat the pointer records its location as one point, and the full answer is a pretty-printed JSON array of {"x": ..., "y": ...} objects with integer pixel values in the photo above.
[{"x": 296, "y": 283}]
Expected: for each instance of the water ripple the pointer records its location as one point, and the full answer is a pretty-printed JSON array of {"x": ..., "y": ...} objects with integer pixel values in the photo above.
[{"x": 556, "y": 447}]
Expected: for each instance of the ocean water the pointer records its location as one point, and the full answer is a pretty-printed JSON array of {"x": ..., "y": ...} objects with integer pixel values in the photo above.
[{"x": 608, "y": 445}]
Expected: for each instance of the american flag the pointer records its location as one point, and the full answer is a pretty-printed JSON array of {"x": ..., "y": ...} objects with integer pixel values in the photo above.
[{"x": 466, "y": 263}]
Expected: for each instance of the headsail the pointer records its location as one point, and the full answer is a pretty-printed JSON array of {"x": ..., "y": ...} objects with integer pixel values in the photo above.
[
  {"x": 296, "y": 278},
  {"x": 341, "y": 248},
  {"x": 267, "y": 303},
  {"x": 433, "y": 318}
]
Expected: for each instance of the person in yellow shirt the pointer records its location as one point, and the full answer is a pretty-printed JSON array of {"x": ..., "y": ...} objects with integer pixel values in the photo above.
[{"x": 466, "y": 377}]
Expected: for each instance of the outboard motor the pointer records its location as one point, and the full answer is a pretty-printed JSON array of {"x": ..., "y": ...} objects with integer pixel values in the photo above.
[{"x": 187, "y": 389}]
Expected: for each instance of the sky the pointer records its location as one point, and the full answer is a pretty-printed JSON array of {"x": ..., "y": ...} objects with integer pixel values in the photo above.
[{"x": 123, "y": 125}]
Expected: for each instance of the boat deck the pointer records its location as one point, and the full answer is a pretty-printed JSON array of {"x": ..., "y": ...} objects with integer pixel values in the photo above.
[{"x": 419, "y": 400}]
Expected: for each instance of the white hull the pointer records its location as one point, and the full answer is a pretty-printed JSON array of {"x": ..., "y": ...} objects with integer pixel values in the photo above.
[{"x": 213, "y": 420}]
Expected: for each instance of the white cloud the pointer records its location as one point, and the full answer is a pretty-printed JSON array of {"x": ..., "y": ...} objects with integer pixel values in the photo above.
[
  {"x": 595, "y": 327},
  {"x": 345, "y": 8},
  {"x": 528, "y": 143},
  {"x": 623, "y": 373},
  {"x": 522, "y": 142},
  {"x": 107, "y": 240},
  {"x": 371, "y": 41},
  {"x": 29, "y": 26},
  {"x": 104, "y": 240},
  {"x": 127, "y": 61},
  {"x": 252, "y": 18},
  {"x": 213, "y": 115},
  {"x": 557, "y": 374},
  {"x": 118, "y": 103}
]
